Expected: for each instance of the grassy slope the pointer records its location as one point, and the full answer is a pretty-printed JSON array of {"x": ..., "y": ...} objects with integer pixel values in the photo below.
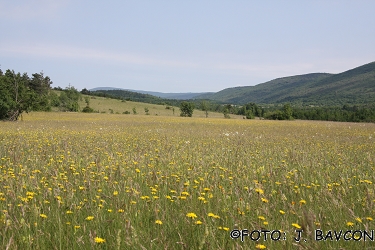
[
  {"x": 103, "y": 104},
  {"x": 352, "y": 86}
]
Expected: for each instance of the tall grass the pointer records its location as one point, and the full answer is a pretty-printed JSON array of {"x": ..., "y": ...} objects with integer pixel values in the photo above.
[{"x": 84, "y": 181}]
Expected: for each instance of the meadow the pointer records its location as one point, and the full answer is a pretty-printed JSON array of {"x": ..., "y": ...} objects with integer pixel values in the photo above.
[
  {"x": 114, "y": 181},
  {"x": 109, "y": 105}
]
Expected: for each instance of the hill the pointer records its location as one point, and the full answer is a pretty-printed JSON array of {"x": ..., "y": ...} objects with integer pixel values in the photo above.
[
  {"x": 355, "y": 86},
  {"x": 176, "y": 96}
]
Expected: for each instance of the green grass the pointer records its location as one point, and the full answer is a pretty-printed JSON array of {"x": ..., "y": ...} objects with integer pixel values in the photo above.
[
  {"x": 102, "y": 104},
  {"x": 67, "y": 179}
]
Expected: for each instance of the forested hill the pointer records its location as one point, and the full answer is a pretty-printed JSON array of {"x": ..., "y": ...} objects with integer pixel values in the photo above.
[
  {"x": 356, "y": 86},
  {"x": 128, "y": 95}
]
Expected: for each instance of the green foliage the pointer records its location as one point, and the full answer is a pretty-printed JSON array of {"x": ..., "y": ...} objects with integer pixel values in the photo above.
[
  {"x": 250, "y": 110},
  {"x": 41, "y": 87},
  {"x": 205, "y": 107},
  {"x": 345, "y": 113},
  {"x": 226, "y": 113},
  {"x": 19, "y": 93},
  {"x": 249, "y": 114},
  {"x": 365, "y": 113},
  {"x": 147, "y": 111},
  {"x": 287, "y": 112},
  {"x": 187, "y": 109},
  {"x": 275, "y": 115},
  {"x": 87, "y": 100},
  {"x": 134, "y": 111},
  {"x": 69, "y": 100},
  {"x": 87, "y": 109}
]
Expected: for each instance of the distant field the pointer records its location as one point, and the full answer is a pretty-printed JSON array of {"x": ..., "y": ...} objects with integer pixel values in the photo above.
[
  {"x": 102, "y": 104},
  {"x": 114, "y": 181}
]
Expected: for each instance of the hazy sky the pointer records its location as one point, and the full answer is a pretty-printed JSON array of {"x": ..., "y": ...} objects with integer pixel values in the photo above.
[{"x": 183, "y": 46}]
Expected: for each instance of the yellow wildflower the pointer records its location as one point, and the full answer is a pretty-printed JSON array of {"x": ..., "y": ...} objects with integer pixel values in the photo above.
[
  {"x": 296, "y": 225},
  {"x": 260, "y": 246},
  {"x": 191, "y": 215},
  {"x": 99, "y": 240}
]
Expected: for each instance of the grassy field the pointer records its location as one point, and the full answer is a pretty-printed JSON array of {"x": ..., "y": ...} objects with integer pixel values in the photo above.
[
  {"x": 109, "y": 105},
  {"x": 100, "y": 181}
]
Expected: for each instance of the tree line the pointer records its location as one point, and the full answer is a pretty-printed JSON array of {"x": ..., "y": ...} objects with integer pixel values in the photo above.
[{"x": 21, "y": 93}]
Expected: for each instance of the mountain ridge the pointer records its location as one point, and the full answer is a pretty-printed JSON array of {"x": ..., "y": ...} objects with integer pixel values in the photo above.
[{"x": 354, "y": 86}]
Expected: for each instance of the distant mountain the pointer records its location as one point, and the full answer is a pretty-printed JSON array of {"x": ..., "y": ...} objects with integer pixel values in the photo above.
[
  {"x": 355, "y": 86},
  {"x": 177, "y": 96},
  {"x": 105, "y": 88}
]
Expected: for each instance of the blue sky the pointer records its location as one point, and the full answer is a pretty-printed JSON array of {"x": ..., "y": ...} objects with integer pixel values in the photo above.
[{"x": 183, "y": 46}]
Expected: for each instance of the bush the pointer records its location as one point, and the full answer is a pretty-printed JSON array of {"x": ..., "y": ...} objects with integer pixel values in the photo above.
[{"x": 87, "y": 109}]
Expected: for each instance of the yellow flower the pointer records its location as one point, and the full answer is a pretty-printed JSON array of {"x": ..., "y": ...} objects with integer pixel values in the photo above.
[
  {"x": 260, "y": 246},
  {"x": 264, "y": 200},
  {"x": 302, "y": 202},
  {"x": 99, "y": 240},
  {"x": 369, "y": 218},
  {"x": 261, "y": 217},
  {"x": 259, "y": 191},
  {"x": 121, "y": 210},
  {"x": 282, "y": 212},
  {"x": 198, "y": 222},
  {"x": 43, "y": 216},
  {"x": 158, "y": 222},
  {"x": 213, "y": 215},
  {"x": 191, "y": 215},
  {"x": 296, "y": 225},
  {"x": 90, "y": 218},
  {"x": 350, "y": 224},
  {"x": 358, "y": 219}
]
